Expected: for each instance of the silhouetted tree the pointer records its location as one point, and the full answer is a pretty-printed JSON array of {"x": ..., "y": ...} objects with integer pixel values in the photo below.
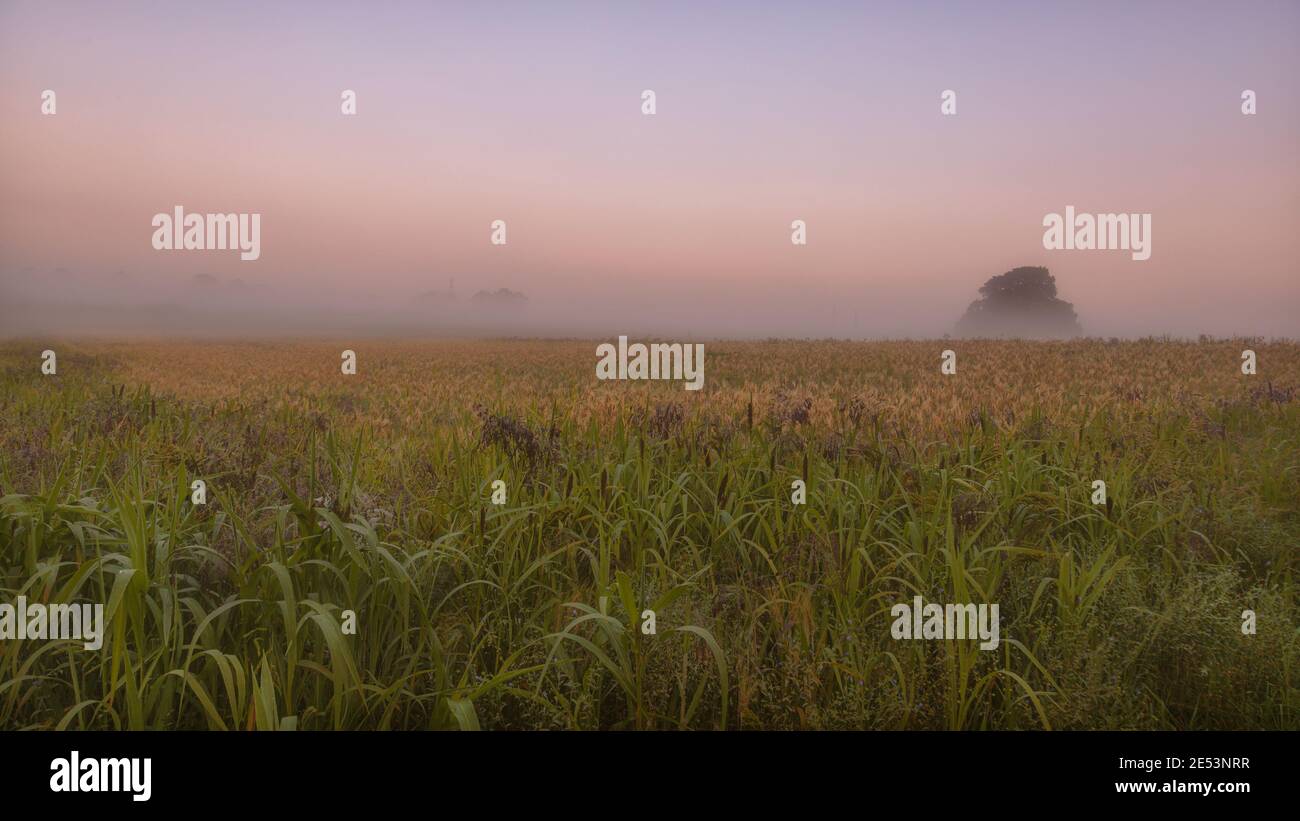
[
  {"x": 499, "y": 297},
  {"x": 1020, "y": 303}
]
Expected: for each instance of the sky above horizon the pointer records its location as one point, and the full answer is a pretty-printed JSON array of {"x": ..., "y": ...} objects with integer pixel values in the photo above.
[{"x": 766, "y": 113}]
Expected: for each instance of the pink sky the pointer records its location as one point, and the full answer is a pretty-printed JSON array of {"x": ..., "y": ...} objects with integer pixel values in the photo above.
[{"x": 766, "y": 113}]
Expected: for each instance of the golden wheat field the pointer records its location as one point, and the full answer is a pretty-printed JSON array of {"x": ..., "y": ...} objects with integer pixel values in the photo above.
[{"x": 350, "y": 567}]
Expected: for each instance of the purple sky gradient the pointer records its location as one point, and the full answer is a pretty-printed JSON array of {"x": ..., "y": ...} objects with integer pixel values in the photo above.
[{"x": 530, "y": 112}]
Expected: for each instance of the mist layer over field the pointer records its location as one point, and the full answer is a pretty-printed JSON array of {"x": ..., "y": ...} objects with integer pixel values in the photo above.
[{"x": 68, "y": 305}]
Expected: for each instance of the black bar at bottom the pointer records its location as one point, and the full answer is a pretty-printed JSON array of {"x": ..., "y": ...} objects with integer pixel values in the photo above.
[{"x": 366, "y": 770}]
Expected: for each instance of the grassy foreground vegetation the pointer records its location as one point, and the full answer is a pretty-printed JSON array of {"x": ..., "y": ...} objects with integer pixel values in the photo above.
[{"x": 371, "y": 493}]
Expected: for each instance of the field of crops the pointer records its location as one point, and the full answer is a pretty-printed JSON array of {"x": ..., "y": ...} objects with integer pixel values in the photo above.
[{"x": 372, "y": 493}]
